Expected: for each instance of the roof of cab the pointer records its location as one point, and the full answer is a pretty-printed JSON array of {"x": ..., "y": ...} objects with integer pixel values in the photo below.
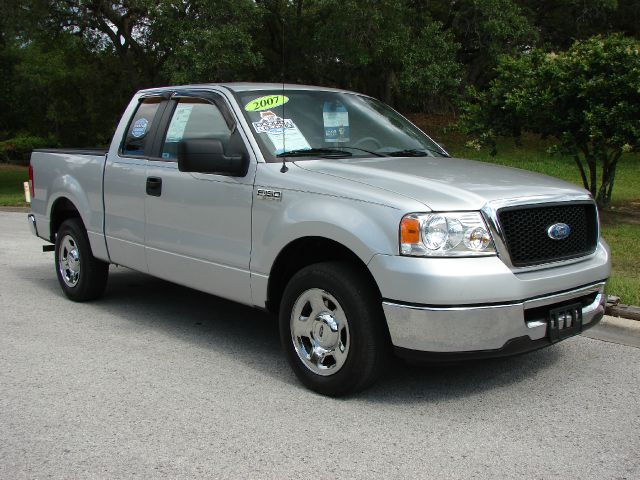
[{"x": 246, "y": 87}]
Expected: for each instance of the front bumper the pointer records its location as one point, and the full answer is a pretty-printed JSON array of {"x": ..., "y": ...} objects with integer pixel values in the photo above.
[
  {"x": 484, "y": 330},
  {"x": 480, "y": 307}
]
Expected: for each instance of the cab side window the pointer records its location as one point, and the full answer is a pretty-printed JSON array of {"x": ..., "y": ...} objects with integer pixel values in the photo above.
[
  {"x": 194, "y": 118},
  {"x": 137, "y": 141}
]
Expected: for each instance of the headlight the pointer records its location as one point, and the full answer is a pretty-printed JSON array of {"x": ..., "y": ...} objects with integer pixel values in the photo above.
[{"x": 452, "y": 234}]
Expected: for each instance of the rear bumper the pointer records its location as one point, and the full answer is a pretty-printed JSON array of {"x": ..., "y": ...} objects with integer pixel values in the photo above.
[
  {"x": 454, "y": 333},
  {"x": 31, "y": 218}
]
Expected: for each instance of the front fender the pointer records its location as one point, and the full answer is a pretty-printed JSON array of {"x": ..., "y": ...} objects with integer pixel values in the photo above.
[{"x": 364, "y": 228}]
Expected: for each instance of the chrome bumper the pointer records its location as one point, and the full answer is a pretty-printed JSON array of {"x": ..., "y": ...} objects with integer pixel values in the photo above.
[
  {"x": 484, "y": 327},
  {"x": 32, "y": 224}
]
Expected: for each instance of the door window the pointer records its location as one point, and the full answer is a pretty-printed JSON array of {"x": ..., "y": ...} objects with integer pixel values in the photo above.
[
  {"x": 194, "y": 118},
  {"x": 137, "y": 141}
]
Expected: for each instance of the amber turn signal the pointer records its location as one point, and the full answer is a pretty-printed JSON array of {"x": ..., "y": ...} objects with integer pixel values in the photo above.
[{"x": 410, "y": 230}]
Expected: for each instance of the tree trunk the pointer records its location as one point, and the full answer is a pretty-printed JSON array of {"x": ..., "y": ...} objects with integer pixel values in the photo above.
[
  {"x": 593, "y": 174},
  {"x": 609, "y": 164},
  {"x": 583, "y": 175},
  {"x": 389, "y": 87}
]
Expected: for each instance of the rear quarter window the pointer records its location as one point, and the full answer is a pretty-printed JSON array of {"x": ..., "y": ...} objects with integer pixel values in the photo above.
[{"x": 137, "y": 140}]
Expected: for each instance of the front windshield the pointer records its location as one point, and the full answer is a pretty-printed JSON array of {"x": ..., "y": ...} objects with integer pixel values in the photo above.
[{"x": 317, "y": 123}]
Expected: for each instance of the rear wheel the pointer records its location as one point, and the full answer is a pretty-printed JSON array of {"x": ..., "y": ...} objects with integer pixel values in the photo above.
[
  {"x": 81, "y": 276},
  {"x": 332, "y": 328}
]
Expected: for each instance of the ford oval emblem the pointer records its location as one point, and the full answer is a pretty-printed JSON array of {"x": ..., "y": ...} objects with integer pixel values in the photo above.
[{"x": 559, "y": 231}]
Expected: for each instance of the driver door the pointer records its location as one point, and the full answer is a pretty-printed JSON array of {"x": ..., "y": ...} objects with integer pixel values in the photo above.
[{"x": 198, "y": 226}]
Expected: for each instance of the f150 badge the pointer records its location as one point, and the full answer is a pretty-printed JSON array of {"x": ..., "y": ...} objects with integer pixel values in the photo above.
[{"x": 266, "y": 194}]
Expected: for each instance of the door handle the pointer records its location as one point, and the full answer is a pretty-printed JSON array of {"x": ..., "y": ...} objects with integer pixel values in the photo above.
[{"x": 154, "y": 186}]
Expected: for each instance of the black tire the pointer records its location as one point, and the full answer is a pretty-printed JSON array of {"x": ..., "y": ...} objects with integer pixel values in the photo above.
[
  {"x": 72, "y": 245},
  {"x": 368, "y": 350}
]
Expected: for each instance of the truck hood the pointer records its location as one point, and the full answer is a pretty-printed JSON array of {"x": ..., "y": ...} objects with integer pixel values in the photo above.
[{"x": 443, "y": 183}]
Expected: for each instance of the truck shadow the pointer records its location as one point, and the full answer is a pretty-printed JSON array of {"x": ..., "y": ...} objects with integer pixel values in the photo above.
[{"x": 250, "y": 337}]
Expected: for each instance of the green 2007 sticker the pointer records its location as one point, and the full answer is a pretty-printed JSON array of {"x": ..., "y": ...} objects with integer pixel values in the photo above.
[{"x": 264, "y": 103}]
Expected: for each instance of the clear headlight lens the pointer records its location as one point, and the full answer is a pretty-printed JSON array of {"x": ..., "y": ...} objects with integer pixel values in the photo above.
[{"x": 445, "y": 234}]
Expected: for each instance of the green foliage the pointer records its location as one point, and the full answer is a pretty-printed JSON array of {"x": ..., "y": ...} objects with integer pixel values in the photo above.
[
  {"x": 12, "y": 178},
  {"x": 17, "y": 149},
  {"x": 487, "y": 29},
  {"x": 430, "y": 69},
  {"x": 61, "y": 92},
  {"x": 385, "y": 50},
  {"x": 586, "y": 98},
  {"x": 355, "y": 43},
  {"x": 218, "y": 44},
  {"x": 76, "y": 63},
  {"x": 560, "y": 22}
]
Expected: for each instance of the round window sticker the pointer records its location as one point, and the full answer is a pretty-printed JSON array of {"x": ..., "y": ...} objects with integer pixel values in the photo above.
[{"x": 140, "y": 127}]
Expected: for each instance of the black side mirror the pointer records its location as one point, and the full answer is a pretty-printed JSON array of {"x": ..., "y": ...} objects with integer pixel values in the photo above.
[{"x": 204, "y": 155}]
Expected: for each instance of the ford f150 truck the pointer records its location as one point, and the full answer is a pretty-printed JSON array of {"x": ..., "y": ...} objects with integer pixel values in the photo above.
[{"x": 334, "y": 211}]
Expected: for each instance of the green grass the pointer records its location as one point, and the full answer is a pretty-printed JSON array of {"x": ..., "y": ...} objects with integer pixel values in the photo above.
[
  {"x": 11, "y": 191},
  {"x": 624, "y": 240},
  {"x": 622, "y": 232},
  {"x": 532, "y": 155}
]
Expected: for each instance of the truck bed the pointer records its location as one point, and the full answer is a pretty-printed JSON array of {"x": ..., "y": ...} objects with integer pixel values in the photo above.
[{"x": 74, "y": 175}]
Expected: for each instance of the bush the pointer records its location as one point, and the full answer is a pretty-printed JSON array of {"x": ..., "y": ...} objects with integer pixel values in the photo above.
[
  {"x": 18, "y": 149},
  {"x": 587, "y": 99}
]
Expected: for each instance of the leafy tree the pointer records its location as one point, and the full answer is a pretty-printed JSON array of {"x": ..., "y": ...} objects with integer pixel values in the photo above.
[
  {"x": 218, "y": 44},
  {"x": 484, "y": 29},
  {"x": 77, "y": 62},
  {"x": 561, "y": 22},
  {"x": 384, "y": 48},
  {"x": 587, "y": 98},
  {"x": 430, "y": 74}
]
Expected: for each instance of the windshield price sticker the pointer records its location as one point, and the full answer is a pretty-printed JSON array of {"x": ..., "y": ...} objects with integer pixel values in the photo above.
[
  {"x": 265, "y": 103},
  {"x": 271, "y": 123},
  {"x": 336, "y": 122},
  {"x": 282, "y": 132}
]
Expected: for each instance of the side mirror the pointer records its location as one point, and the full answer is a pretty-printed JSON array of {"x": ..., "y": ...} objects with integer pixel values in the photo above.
[{"x": 204, "y": 155}]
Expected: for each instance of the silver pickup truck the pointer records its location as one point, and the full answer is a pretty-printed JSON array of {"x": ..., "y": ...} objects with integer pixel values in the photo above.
[{"x": 333, "y": 211}]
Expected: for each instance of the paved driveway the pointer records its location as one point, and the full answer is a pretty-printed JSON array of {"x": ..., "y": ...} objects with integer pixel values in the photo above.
[{"x": 157, "y": 380}]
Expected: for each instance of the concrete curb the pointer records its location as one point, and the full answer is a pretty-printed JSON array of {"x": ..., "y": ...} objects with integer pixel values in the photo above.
[
  {"x": 616, "y": 330},
  {"x": 15, "y": 209},
  {"x": 630, "y": 312}
]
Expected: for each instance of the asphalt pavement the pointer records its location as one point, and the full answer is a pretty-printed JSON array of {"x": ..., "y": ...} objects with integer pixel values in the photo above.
[{"x": 160, "y": 381}]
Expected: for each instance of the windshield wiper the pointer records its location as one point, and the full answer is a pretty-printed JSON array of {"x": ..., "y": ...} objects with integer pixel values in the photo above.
[
  {"x": 415, "y": 152},
  {"x": 360, "y": 150},
  {"x": 315, "y": 152}
]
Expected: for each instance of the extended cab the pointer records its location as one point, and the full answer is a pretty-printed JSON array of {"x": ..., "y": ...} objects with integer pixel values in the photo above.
[{"x": 334, "y": 211}]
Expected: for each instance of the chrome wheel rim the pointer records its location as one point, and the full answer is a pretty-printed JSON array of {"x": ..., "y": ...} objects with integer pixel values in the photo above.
[
  {"x": 69, "y": 261},
  {"x": 320, "y": 332}
]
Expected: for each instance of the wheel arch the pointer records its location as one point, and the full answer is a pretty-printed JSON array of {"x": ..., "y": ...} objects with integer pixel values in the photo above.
[
  {"x": 305, "y": 251},
  {"x": 62, "y": 209}
]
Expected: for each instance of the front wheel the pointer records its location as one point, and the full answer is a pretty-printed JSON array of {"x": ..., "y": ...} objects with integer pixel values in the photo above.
[
  {"x": 332, "y": 328},
  {"x": 81, "y": 276}
]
